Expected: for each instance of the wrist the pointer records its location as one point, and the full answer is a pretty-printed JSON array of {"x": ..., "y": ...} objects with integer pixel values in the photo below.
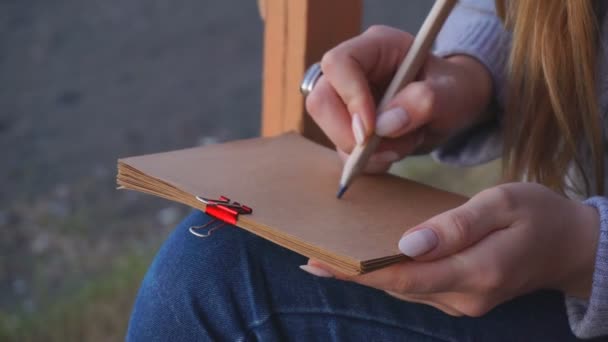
[{"x": 475, "y": 82}]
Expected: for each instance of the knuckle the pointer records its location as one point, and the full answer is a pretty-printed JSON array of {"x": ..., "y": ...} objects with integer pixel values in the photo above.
[
  {"x": 331, "y": 59},
  {"x": 346, "y": 148},
  {"x": 380, "y": 30},
  {"x": 454, "y": 313},
  {"x": 314, "y": 102},
  {"x": 495, "y": 280},
  {"x": 503, "y": 197},
  {"x": 427, "y": 99},
  {"x": 387, "y": 33},
  {"x": 356, "y": 102},
  {"x": 461, "y": 221},
  {"x": 490, "y": 279},
  {"x": 475, "y": 308},
  {"x": 404, "y": 284}
]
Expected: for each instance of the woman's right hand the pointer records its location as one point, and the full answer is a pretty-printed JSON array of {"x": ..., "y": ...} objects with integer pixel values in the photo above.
[{"x": 448, "y": 95}]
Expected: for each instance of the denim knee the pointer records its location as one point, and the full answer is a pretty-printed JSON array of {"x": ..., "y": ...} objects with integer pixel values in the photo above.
[{"x": 191, "y": 283}]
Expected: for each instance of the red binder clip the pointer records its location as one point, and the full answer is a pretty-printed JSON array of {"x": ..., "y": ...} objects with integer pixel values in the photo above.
[{"x": 223, "y": 210}]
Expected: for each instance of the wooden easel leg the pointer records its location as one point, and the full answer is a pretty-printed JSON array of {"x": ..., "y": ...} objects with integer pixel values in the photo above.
[{"x": 297, "y": 34}]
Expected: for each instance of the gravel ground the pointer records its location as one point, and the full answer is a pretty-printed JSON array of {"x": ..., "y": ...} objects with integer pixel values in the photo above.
[{"x": 84, "y": 82}]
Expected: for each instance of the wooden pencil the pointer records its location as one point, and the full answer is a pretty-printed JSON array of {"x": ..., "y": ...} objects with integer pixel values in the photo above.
[{"x": 409, "y": 68}]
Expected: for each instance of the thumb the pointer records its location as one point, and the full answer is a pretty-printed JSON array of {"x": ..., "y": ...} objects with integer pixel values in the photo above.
[
  {"x": 453, "y": 231},
  {"x": 441, "y": 98},
  {"x": 412, "y": 107}
]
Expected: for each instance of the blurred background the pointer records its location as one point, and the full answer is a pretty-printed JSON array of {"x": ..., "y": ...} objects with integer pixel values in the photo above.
[{"x": 84, "y": 82}]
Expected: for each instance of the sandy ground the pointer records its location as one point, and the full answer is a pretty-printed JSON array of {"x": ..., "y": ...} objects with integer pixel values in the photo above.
[{"x": 83, "y": 82}]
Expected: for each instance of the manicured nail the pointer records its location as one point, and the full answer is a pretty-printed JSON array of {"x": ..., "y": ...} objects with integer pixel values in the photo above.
[
  {"x": 391, "y": 121},
  {"x": 384, "y": 157},
  {"x": 319, "y": 272},
  {"x": 358, "y": 129},
  {"x": 418, "y": 242}
]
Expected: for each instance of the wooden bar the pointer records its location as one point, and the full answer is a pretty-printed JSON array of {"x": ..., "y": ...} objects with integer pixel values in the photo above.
[{"x": 297, "y": 34}]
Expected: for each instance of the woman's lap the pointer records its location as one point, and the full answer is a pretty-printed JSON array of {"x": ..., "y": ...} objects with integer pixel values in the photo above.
[{"x": 236, "y": 286}]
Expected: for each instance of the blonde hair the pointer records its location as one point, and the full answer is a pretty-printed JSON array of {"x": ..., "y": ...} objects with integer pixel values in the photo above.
[{"x": 552, "y": 104}]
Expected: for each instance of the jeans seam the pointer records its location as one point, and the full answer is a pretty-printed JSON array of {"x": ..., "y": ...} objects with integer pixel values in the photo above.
[{"x": 266, "y": 319}]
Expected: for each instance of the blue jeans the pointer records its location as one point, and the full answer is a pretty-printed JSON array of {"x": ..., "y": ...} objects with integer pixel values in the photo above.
[{"x": 235, "y": 286}]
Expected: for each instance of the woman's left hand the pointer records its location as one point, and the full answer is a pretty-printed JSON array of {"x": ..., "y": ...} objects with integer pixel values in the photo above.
[{"x": 504, "y": 242}]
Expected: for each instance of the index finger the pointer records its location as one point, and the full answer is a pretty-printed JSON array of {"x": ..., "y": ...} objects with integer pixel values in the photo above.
[
  {"x": 348, "y": 79},
  {"x": 366, "y": 61}
]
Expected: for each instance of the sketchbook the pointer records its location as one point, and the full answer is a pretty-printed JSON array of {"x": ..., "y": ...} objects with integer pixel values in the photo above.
[{"x": 285, "y": 187}]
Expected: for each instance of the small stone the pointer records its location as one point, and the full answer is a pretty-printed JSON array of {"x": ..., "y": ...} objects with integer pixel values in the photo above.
[
  {"x": 100, "y": 171},
  {"x": 5, "y": 124},
  {"x": 19, "y": 286},
  {"x": 28, "y": 305},
  {"x": 69, "y": 98},
  {"x": 168, "y": 216},
  {"x": 130, "y": 196},
  {"x": 62, "y": 191},
  {"x": 8, "y": 218},
  {"x": 3, "y": 218},
  {"x": 40, "y": 243},
  {"x": 60, "y": 209},
  {"x": 208, "y": 140}
]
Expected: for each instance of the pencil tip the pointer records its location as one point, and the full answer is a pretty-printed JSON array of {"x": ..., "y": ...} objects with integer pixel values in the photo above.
[{"x": 341, "y": 191}]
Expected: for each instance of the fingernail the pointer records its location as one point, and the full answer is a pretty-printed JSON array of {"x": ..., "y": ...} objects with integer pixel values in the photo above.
[
  {"x": 358, "y": 129},
  {"x": 384, "y": 157},
  {"x": 418, "y": 242},
  {"x": 391, "y": 121},
  {"x": 319, "y": 272}
]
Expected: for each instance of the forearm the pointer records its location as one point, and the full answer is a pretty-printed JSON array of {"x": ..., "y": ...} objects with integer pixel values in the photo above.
[
  {"x": 474, "y": 30},
  {"x": 475, "y": 91}
]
